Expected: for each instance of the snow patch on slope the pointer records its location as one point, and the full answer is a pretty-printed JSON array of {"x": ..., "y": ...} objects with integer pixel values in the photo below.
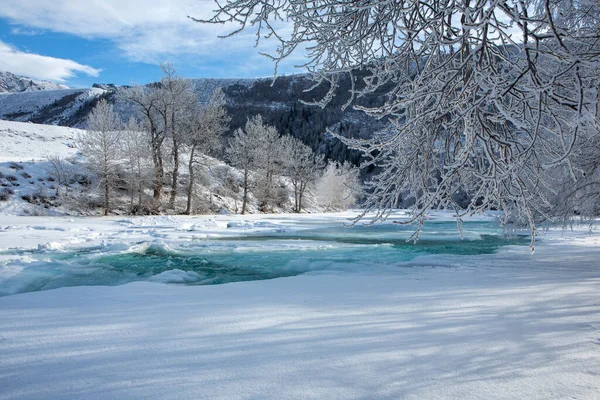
[
  {"x": 55, "y": 107},
  {"x": 11, "y": 83},
  {"x": 26, "y": 141}
]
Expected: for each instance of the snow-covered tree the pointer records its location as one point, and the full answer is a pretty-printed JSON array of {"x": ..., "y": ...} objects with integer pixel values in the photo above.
[
  {"x": 241, "y": 153},
  {"x": 147, "y": 102},
  {"x": 338, "y": 187},
  {"x": 202, "y": 134},
  {"x": 493, "y": 98},
  {"x": 258, "y": 148},
  {"x": 136, "y": 153},
  {"x": 301, "y": 165},
  {"x": 165, "y": 109},
  {"x": 101, "y": 147},
  {"x": 267, "y": 163},
  {"x": 176, "y": 105}
]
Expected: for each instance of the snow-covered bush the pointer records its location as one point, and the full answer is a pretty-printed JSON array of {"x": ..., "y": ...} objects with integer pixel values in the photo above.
[{"x": 338, "y": 187}]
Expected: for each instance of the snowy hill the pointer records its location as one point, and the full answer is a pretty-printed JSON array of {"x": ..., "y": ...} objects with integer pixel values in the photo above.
[
  {"x": 21, "y": 142},
  {"x": 29, "y": 184},
  {"x": 12, "y": 83},
  {"x": 66, "y": 107},
  {"x": 26, "y": 182}
]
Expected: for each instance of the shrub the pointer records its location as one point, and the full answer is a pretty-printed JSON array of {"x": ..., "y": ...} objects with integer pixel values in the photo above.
[
  {"x": 15, "y": 166},
  {"x": 144, "y": 209},
  {"x": 11, "y": 178},
  {"x": 39, "y": 199},
  {"x": 6, "y": 193},
  {"x": 82, "y": 179}
]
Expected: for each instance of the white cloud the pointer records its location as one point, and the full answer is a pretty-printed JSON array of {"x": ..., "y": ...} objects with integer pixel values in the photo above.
[
  {"x": 144, "y": 30},
  {"x": 24, "y": 32},
  {"x": 40, "y": 67}
]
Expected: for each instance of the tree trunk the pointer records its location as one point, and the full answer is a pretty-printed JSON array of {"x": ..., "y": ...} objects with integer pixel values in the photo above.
[
  {"x": 175, "y": 172},
  {"x": 158, "y": 177},
  {"x": 106, "y": 197},
  {"x": 300, "y": 195},
  {"x": 245, "y": 198},
  {"x": 190, "y": 188},
  {"x": 296, "y": 209},
  {"x": 139, "y": 186},
  {"x": 158, "y": 173},
  {"x": 131, "y": 187}
]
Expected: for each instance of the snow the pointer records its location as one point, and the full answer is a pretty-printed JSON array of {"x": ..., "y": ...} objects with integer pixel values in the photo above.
[
  {"x": 204, "y": 87},
  {"x": 29, "y": 145},
  {"x": 366, "y": 322},
  {"x": 52, "y": 106},
  {"x": 506, "y": 325},
  {"x": 24, "y": 141},
  {"x": 10, "y": 82},
  {"x": 24, "y": 168}
]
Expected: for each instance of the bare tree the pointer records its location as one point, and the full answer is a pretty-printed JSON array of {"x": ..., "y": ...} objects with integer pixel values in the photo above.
[
  {"x": 61, "y": 170},
  {"x": 176, "y": 104},
  {"x": 301, "y": 165},
  {"x": 100, "y": 145},
  {"x": 203, "y": 134},
  {"x": 493, "y": 98},
  {"x": 146, "y": 101}
]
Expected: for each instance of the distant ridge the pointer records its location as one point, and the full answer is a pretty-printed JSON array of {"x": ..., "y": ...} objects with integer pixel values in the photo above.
[
  {"x": 11, "y": 83},
  {"x": 281, "y": 104}
]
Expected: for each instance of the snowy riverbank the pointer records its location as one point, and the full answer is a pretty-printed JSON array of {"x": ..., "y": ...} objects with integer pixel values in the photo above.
[{"x": 504, "y": 325}]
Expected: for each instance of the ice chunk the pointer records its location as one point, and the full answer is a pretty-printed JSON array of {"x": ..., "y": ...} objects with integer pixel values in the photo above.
[{"x": 177, "y": 276}]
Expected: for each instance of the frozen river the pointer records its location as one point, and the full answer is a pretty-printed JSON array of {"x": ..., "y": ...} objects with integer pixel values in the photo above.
[{"x": 243, "y": 251}]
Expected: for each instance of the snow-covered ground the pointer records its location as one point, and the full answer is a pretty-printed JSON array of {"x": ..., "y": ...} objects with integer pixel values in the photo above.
[
  {"x": 26, "y": 171},
  {"x": 505, "y": 325},
  {"x": 25, "y": 142},
  {"x": 24, "y": 166}
]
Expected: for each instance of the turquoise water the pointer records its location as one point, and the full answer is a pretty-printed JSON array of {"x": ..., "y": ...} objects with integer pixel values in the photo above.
[{"x": 255, "y": 256}]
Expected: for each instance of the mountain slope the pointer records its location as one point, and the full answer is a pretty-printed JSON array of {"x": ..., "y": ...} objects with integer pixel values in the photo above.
[
  {"x": 11, "y": 83},
  {"x": 280, "y": 103},
  {"x": 65, "y": 107}
]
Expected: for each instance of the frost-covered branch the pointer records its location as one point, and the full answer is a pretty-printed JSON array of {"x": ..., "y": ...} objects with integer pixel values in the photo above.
[{"x": 492, "y": 98}]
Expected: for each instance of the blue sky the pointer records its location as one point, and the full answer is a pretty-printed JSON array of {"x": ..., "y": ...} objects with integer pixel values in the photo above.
[{"x": 79, "y": 42}]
